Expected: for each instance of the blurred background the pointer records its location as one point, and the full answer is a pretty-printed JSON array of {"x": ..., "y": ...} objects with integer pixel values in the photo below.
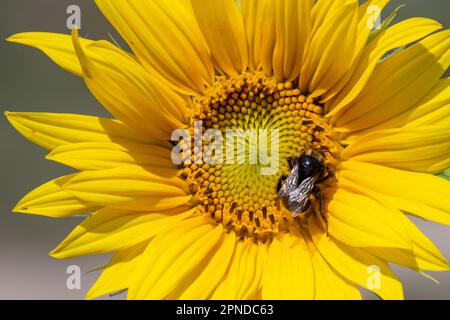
[{"x": 30, "y": 82}]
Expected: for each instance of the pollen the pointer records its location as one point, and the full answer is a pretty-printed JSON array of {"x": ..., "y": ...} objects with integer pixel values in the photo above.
[{"x": 239, "y": 195}]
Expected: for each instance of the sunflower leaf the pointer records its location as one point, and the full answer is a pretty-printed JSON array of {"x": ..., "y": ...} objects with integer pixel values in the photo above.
[
  {"x": 115, "y": 294},
  {"x": 96, "y": 269},
  {"x": 427, "y": 276},
  {"x": 445, "y": 174},
  {"x": 386, "y": 23},
  {"x": 114, "y": 40},
  {"x": 391, "y": 53}
]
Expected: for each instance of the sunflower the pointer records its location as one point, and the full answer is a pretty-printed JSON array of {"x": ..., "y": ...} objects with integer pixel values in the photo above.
[{"x": 371, "y": 101}]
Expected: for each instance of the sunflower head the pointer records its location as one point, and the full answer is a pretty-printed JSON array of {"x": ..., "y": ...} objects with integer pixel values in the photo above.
[
  {"x": 269, "y": 123},
  {"x": 301, "y": 136}
]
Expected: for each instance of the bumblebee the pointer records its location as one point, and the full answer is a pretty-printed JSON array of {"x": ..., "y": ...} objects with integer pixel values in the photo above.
[{"x": 296, "y": 190}]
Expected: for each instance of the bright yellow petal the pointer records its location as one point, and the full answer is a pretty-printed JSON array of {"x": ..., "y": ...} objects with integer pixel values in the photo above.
[
  {"x": 423, "y": 149},
  {"x": 52, "y": 201},
  {"x": 111, "y": 230},
  {"x": 289, "y": 273},
  {"x": 104, "y": 155},
  {"x": 361, "y": 222},
  {"x": 398, "y": 83},
  {"x": 423, "y": 254},
  {"x": 51, "y": 130},
  {"x": 59, "y": 47},
  {"x": 117, "y": 274},
  {"x": 399, "y": 35},
  {"x": 355, "y": 265},
  {"x": 320, "y": 11},
  {"x": 172, "y": 256},
  {"x": 427, "y": 255},
  {"x": 423, "y": 195},
  {"x": 293, "y": 32},
  {"x": 329, "y": 285},
  {"x": 138, "y": 100},
  {"x": 332, "y": 50},
  {"x": 242, "y": 281},
  {"x": 130, "y": 187},
  {"x": 260, "y": 26},
  {"x": 366, "y": 16},
  {"x": 223, "y": 28},
  {"x": 207, "y": 277},
  {"x": 166, "y": 38},
  {"x": 431, "y": 110}
]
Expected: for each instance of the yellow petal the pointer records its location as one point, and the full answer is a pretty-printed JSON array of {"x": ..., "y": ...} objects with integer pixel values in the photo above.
[
  {"x": 111, "y": 230},
  {"x": 104, "y": 155},
  {"x": 398, "y": 83},
  {"x": 433, "y": 109},
  {"x": 59, "y": 47},
  {"x": 368, "y": 12},
  {"x": 135, "y": 98},
  {"x": 321, "y": 10},
  {"x": 203, "y": 283},
  {"x": 399, "y": 35},
  {"x": 427, "y": 255},
  {"x": 52, "y": 201},
  {"x": 361, "y": 222},
  {"x": 423, "y": 149},
  {"x": 130, "y": 187},
  {"x": 243, "y": 278},
  {"x": 356, "y": 265},
  {"x": 289, "y": 273},
  {"x": 293, "y": 32},
  {"x": 172, "y": 256},
  {"x": 117, "y": 274},
  {"x": 329, "y": 285},
  {"x": 423, "y": 254},
  {"x": 430, "y": 110},
  {"x": 335, "y": 40},
  {"x": 260, "y": 26},
  {"x": 223, "y": 28},
  {"x": 51, "y": 130},
  {"x": 423, "y": 195},
  {"x": 166, "y": 38}
]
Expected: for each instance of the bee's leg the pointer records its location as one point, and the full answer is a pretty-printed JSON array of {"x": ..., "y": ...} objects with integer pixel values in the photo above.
[
  {"x": 328, "y": 176},
  {"x": 318, "y": 194},
  {"x": 323, "y": 179},
  {"x": 280, "y": 183},
  {"x": 278, "y": 203},
  {"x": 309, "y": 211},
  {"x": 305, "y": 215}
]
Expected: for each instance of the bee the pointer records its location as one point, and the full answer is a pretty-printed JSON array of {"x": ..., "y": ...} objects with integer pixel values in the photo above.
[{"x": 295, "y": 190}]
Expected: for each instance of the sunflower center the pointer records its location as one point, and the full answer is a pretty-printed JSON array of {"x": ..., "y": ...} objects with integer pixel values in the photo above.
[{"x": 271, "y": 123}]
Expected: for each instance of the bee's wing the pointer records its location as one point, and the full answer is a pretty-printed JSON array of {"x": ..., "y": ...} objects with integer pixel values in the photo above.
[
  {"x": 299, "y": 198},
  {"x": 289, "y": 184},
  {"x": 292, "y": 179},
  {"x": 304, "y": 189}
]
